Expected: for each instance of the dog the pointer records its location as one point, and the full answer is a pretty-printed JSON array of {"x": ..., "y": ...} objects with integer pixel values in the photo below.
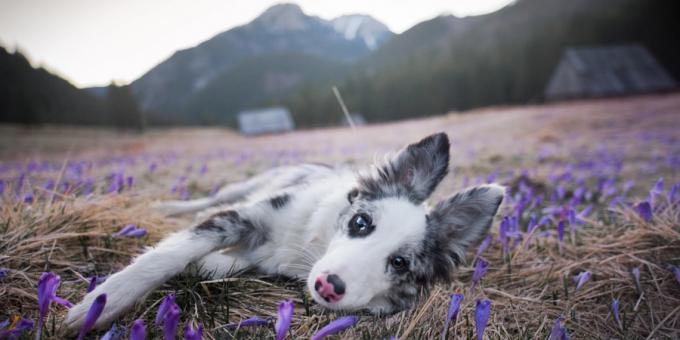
[{"x": 361, "y": 240}]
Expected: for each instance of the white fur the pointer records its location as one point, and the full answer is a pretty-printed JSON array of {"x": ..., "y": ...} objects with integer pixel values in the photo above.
[{"x": 306, "y": 237}]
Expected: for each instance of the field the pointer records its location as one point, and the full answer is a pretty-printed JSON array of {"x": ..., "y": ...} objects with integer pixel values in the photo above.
[{"x": 579, "y": 170}]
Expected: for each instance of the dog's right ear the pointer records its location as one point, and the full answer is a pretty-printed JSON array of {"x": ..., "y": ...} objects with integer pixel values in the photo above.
[{"x": 414, "y": 172}]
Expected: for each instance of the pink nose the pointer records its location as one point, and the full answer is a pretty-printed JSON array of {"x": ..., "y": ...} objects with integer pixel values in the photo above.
[{"x": 330, "y": 287}]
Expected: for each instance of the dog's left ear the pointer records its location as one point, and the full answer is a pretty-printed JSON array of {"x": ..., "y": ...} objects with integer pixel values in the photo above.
[
  {"x": 414, "y": 172},
  {"x": 461, "y": 220}
]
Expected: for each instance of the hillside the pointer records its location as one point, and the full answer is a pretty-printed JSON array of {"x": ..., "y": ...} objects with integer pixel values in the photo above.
[
  {"x": 168, "y": 89},
  {"x": 504, "y": 57},
  {"x": 34, "y": 96}
]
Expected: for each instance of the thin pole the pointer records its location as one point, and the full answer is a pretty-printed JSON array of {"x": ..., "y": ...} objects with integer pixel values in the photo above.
[{"x": 343, "y": 107}]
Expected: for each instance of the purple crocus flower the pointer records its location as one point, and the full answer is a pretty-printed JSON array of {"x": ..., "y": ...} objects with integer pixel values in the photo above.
[
  {"x": 24, "y": 325},
  {"x": 114, "y": 333},
  {"x": 164, "y": 307},
  {"x": 644, "y": 210},
  {"x": 47, "y": 292},
  {"x": 482, "y": 317},
  {"x": 503, "y": 233},
  {"x": 558, "y": 332},
  {"x": 138, "y": 331},
  {"x": 254, "y": 321},
  {"x": 92, "y": 315},
  {"x": 285, "y": 317},
  {"x": 93, "y": 284},
  {"x": 484, "y": 245},
  {"x": 672, "y": 194},
  {"x": 170, "y": 322},
  {"x": 615, "y": 311},
  {"x": 560, "y": 233},
  {"x": 480, "y": 269},
  {"x": 676, "y": 273},
  {"x": 191, "y": 333},
  {"x": 581, "y": 279},
  {"x": 131, "y": 230},
  {"x": 655, "y": 192},
  {"x": 454, "y": 307},
  {"x": 335, "y": 327},
  {"x": 4, "y": 272},
  {"x": 636, "y": 278}
]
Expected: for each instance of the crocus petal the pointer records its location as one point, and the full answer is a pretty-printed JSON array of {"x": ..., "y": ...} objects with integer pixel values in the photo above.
[
  {"x": 138, "y": 331},
  {"x": 656, "y": 190},
  {"x": 482, "y": 317},
  {"x": 676, "y": 272},
  {"x": 139, "y": 232},
  {"x": 93, "y": 284},
  {"x": 615, "y": 311},
  {"x": 336, "y": 326},
  {"x": 454, "y": 307},
  {"x": 254, "y": 321},
  {"x": 581, "y": 279},
  {"x": 193, "y": 334},
  {"x": 636, "y": 278},
  {"x": 22, "y": 326},
  {"x": 4, "y": 324},
  {"x": 164, "y": 307},
  {"x": 115, "y": 333},
  {"x": 285, "y": 317},
  {"x": 123, "y": 232},
  {"x": 61, "y": 301},
  {"x": 558, "y": 332},
  {"x": 170, "y": 323},
  {"x": 47, "y": 286},
  {"x": 480, "y": 269},
  {"x": 672, "y": 194},
  {"x": 92, "y": 315},
  {"x": 644, "y": 210},
  {"x": 484, "y": 245}
]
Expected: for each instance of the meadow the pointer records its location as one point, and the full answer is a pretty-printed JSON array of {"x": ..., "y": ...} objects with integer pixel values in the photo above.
[{"x": 587, "y": 242}]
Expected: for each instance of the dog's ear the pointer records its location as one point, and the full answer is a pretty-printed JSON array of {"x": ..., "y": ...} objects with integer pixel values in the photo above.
[
  {"x": 414, "y": 172},
  {"x": 460, "y": 221}
]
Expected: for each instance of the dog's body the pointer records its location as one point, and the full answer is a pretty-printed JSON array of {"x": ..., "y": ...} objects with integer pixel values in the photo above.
[{"x": 362, "y": 241}]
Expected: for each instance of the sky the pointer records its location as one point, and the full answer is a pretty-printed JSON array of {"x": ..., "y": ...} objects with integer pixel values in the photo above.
[{"x": 94, "y": 42}]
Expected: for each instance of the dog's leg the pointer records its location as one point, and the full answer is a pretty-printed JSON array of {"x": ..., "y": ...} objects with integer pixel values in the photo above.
[
  {"x": 169, "y": 258},
  {"x": 218, "y": 265},
  {"x": 228, "y": 194}
]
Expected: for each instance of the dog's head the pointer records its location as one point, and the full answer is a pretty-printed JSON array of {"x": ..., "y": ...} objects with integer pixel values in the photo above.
[{"x": 388, "y": 246}]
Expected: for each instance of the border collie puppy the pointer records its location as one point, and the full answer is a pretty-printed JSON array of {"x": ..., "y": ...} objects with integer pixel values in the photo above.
[{"x": 360, "y": 240}]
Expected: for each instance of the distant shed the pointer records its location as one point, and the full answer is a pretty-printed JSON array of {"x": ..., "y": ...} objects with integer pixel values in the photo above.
[
  {"x": 266, "y": 120},
  {"x": 606, "y": 71}
]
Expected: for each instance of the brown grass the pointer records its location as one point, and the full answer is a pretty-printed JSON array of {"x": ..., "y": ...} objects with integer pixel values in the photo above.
[{"x": 529, "y": 288}]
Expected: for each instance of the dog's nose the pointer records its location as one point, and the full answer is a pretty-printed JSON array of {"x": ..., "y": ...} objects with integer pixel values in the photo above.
[{"x": 330, "y": 287}]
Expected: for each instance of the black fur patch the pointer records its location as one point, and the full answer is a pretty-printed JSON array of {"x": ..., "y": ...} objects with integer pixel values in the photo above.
[
  {"x": 280, "y": 201},
  {"x": 234, "y": 230},
  {"x": 413, "y": 173}
]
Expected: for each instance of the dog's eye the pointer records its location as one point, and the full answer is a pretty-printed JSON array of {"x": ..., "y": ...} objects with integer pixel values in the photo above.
[
  {"x": 399, "y": 263},
  {"x": 360, "y": 225}
]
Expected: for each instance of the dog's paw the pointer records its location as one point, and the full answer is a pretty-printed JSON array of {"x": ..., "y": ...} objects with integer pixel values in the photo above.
[{"x": 118, "y": 300}]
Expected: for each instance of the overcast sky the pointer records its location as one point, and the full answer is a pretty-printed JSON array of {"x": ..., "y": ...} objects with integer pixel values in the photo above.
[{"x": 91, "y": 42}]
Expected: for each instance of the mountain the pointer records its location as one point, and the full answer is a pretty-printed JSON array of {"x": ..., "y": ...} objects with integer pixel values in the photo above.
[
  {"x": 31, "y": 95},
  {"x": 167, "y": 89},
  {"x": 505, "y": 57},
  {"x": 363, "y": 27}
]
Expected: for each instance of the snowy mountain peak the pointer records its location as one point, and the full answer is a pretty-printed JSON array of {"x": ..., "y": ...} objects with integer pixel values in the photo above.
[{"x": 364, "y": 27}]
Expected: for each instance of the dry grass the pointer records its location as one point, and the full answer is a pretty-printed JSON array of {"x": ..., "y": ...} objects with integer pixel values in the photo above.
[{"x": 529, "y": 288}]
